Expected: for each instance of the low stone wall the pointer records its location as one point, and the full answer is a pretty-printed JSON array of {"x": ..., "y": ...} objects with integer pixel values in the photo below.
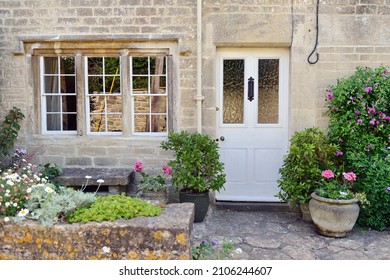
[{"x": 165, "y": 237}]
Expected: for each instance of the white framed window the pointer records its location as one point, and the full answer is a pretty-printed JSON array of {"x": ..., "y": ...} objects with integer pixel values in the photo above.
[
  {"x": 58, "y": 95},
  {"x": 149, "y": 94},
  {"x": 104, "y": 94}
]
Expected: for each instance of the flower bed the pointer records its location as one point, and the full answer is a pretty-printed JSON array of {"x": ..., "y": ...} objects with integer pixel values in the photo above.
[{"x": 165, "y": 237}]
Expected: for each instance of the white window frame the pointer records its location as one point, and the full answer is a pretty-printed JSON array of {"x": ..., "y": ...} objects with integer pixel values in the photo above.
[
  {"x": 44, "y": 95},
  {"x": 149, "y": 95},
  {"x": 104, "y": 94}
]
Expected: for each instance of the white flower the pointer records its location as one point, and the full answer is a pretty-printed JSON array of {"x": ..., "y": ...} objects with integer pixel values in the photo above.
[
  {"x": 15, "y": 204},
  {"x": 28, "y": 190},
  {"x": 10, "y": 183},
  {"x": 7, "y": 194},
  {"x": 6, "y": 219},
  {"x": 7, "y": 191},
  {"x": 44, "y": 180},
  {"x": 88, "y": 177},
  {"x": 49, "y": 190},
  {"x": 7, "y": 204},
  {"x": 2, "y": 186},
  {"x": 238, "y": 251},
  {"x": 100, "y": 181},
  {"x": 23, "y": 212}
]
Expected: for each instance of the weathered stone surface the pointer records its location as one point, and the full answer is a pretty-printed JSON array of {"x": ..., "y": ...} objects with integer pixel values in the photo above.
[
  {"x": 262, "y": 241},
  {"x": 111, "y": 176},
  {"x": 163, "y": 237}
]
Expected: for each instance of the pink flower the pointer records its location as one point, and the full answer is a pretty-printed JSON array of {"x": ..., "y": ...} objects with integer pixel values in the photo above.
[
  {"x": 368, "y": 89},
  {"x": 167, "y": 170},
  {"x": 327, "y": 174},
  {"x": 350, "y": 176},
  {"x": 339, "y": 153},
  {"x": 372, "y": 122},
  {"x": 138, "y": 167},
  {"x": 360, "y": 121}
]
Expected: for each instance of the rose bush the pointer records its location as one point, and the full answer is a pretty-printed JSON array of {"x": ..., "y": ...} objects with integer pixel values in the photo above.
[{"x": 359, "y": 114}]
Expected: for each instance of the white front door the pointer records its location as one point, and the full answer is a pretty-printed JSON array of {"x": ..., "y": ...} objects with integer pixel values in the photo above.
[{"x": 252, "y": 121}]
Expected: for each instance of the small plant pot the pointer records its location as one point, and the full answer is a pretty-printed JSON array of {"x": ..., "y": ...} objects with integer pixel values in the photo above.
[
  {"x": 333, "y": 217},
  {"x": 155, "y": 197},
  {"x": 201, "y": 202}
]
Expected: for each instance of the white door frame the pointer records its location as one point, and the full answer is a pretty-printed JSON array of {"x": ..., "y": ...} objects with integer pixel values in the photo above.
[{"x": 231, "y": 131}]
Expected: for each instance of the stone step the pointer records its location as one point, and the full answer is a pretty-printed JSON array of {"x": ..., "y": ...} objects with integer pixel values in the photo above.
[{"x": 116, "y": 180}]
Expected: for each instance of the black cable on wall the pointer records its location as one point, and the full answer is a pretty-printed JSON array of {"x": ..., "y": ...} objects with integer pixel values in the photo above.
[{"x": 316, "y": 44}]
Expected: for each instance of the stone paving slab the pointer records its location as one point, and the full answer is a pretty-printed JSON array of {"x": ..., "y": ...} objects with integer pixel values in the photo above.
[{"x": 260, "y": 235}]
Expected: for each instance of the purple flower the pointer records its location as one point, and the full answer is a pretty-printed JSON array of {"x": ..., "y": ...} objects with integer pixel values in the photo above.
[
  {"x": 357, "y": 112},
  {"x": 334, "y": 108},
  {"x": 388, "y": 189},
  {"x": 214, "y": 243},
  {"x": 339, "y": 153},
  {"x": 364, "y": 103},
  {"x": 386, "y": 72},
  {"x": 368, "y": 89},
  {"x": 360, "y": 121},
  {"x": 371, "y": 109},
  {"x": 372, "y": 122},
  {"x": 341, "y": 141}
]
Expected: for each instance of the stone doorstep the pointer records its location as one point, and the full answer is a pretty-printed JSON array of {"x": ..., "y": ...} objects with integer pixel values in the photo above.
[{"x": 117, "y": 179}]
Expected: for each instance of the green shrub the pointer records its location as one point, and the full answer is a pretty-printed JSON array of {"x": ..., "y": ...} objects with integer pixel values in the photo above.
[
  {"x": 49, "y": 204},
  {"x": 9, "y": 130},
  {"x": 309, "y": 154},
  {"x": 359, "y": 114},
  {"x": 113, "y": 207}
]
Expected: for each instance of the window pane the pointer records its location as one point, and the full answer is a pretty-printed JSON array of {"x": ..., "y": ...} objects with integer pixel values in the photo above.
[
  {"x": 51, "y": 84},
  {"x": 113, "y": 85},
  {"x": 69, "y": 121},
  {"x": 67, "y": 65},
  {"x": 159, "y": 104},
  {"x": 159, "y": 123},
  {"x": 114, "y": 123},
  {"x": 141, "y": 123},
  {"x": 268, "y": 91},
  {"x": 95, "y": 65},
  {"x": 140, "y": 65},
  {"x": 50, "y": 65},
  {"x": 157, "y": 65},
  {"x": 140, "y": 85},
  {"x": 112, "y": 65},
  {"x": 68, "y": 84},
  {"x": 141, "y": 104},
  {"x": 233, "y": 91},
  {"x": 95, "y": 85},
  {"x": 157, "y": 85},
  {"x": 69, "y": 103},
  {"x": 53, "y": 104},
  {"x": 114, "y": 104},
  {"x": 97, "y": 104},
  {"x": 97, "y": 123},
  {"x": 53, "y": 122}
]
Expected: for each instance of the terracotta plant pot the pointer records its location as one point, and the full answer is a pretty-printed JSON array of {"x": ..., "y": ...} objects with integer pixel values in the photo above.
[{"x": 333, "y": 218}]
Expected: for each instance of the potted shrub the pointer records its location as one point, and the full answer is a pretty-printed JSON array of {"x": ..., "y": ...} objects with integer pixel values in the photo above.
[
  {"x": 196, "y": 168},
  {"x": 152, "y": 188},
  {"x": 309, "y": 153},
  {"x": 334, "y": 205}
]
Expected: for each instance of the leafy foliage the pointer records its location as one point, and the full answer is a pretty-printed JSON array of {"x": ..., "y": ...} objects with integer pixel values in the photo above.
[
  {"x": 212, "y": 250},
  {"x": 9, "y": 130},
  {"x": 359, "y": 114},
  {"x": 49, "y": 204},
  {"x": 113, "y": 207},
  {"x": 196, "y": 167},
  {"x": 309, "y": 154}
]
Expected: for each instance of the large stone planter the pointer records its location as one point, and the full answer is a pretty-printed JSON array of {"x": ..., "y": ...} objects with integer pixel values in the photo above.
[
  {"x": 165, "y": 237},
  {"x": 333, "y": 218}
]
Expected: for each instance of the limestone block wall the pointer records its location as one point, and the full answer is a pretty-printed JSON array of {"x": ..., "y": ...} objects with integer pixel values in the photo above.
[
  {"x": 166, "y": 237},
  {"x": 351, "y": 33}
]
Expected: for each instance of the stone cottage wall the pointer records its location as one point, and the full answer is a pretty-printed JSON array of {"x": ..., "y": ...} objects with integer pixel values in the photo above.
[{"x": 351, "y": 33}]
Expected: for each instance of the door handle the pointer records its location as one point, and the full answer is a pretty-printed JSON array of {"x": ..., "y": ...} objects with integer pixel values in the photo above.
[
  {"x": 222, "y": 138},
  {"x": 251, "y": 93}
]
